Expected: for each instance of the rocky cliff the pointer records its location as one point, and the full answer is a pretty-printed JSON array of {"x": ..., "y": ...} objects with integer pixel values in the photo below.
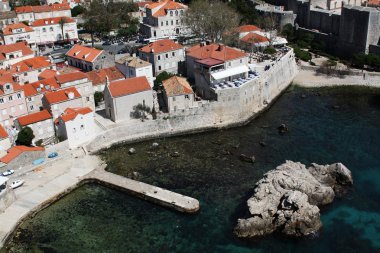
[{"x": 286, "y": 199}]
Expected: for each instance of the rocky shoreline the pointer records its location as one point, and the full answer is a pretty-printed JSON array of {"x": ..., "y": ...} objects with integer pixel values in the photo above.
[{"x": 286, "y": 199}]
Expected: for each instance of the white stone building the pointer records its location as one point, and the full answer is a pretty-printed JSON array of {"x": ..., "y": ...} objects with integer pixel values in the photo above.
[
  {"x": 49, "y": 30},
  {"x": 5, "y": 142},
  {"x": 40, "y": 122},
  {"x": 164, "y": 55},
  {"x": 121, "y": 97},
  {"x": 19, "y": 32},
  {"x": 14, "y": 53},
  {"x": 99, "y": 77},
  {"x": 178, "y": 94},
  {"x": 76, "y": 125},
  {"x": 164, "y": 19},
  {"x": 132, "y": 66},
  {"x": 32, "y": 13}
]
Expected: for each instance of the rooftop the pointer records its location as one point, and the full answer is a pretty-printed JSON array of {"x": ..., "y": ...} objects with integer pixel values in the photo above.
[
  {"x": 39, "y": 87},
  {"x": 99, "y": 76},
  {"x": 42, "y": 8},
  {"x": 176, "y": 85},
  {"x": 161, "y": 46},
  {"x": 129, "y": 86},
  {"x": 3, "y": 133},
  {"x": 50, "y": 21},
  {"x": 55, "y": 97},
  {"x": 215, "y": 51},
  {"x": 9, "y": 29},
  {"x": 12, "y": 48},
  {"x": 160, "y": 9},
  {"x": 247, "y": 28},
  {"x": 15, "y": 151},
  {"x": 71, "y": 113},
  {"x": 84, "y": 53},
  {"x": 254, "y": 38},
  {"x": 31, "y": 64},
  {"x": 133, "y": 61},
  {"x": 34, "y": 118}
]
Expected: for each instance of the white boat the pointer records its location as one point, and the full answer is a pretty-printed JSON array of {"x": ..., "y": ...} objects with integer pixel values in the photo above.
[{"x": 16, "y": 184}]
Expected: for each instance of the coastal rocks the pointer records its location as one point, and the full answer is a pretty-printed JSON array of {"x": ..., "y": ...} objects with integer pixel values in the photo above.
[
  {"x": 283, "y": 129},
  {"x": 286, "y": 199},
  {"x": 245, "y": 158},
  {"x": 132, "y": 151}
]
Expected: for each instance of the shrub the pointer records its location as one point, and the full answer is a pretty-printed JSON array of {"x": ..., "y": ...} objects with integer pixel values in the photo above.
[
  {"x": 302, "y": 54},
  {"x": 98, "y": 97},
  {"x": 160, "y": 78},
  {"x": 39, "y": 143},
  {"x": 269, "y": 50}
]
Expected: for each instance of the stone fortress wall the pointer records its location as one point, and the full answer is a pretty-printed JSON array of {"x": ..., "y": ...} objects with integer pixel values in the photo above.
[{"x": 233, "y": 107}]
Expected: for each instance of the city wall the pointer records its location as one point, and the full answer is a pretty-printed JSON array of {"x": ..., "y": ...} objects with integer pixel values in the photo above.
[{"x": 234, "y": 107}]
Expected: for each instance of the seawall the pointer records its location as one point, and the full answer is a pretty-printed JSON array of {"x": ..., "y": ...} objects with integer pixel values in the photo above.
[{"x": 234, "y": 107}]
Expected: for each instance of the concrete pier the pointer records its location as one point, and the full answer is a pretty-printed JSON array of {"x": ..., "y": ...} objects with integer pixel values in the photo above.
[{"x": 145, "y": 191}]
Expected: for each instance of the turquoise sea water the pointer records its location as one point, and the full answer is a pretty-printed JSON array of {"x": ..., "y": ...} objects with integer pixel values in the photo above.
[{"x": 326, "y": 126}]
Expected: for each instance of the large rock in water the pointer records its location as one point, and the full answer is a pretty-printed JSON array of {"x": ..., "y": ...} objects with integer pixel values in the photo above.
[{"x": 286, "y": 199}]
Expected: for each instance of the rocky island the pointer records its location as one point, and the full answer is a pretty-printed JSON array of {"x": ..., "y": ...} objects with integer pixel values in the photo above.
[{"x": 286, "y": 199}]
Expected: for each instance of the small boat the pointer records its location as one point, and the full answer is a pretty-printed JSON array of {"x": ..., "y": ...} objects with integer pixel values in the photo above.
[
  {"x": 52, "y": 155},
  {"x": 38, "y": 161},
  {"x": 16, "y": 184}
]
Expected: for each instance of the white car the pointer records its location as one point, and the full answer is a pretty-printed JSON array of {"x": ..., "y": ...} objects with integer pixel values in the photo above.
[
  {"x": 8, "y": 172},
  {"x": 16, "y": 184}
]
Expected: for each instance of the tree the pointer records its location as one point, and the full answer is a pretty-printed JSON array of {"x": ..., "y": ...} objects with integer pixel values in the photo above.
[
  {"x": 288, "y": 32},
  {"x": 77, "y": 10},
  {"x": 25, "y": 136},
  {"x": 160, "y": 78},
  {"x": 210, "y": 20},
  {"x": 62, "y": 22}
]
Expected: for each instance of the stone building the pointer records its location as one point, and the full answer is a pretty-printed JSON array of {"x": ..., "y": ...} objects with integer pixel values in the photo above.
[
  {"x": 18, "y": 156},
  {"x": 99, "y": 77},
  {"x": 14, "y": 53},
  {"x": 121, "y": 97},
  {"x": 40, "y": 122},
  {"x": 132, "y": 66},
  {"x": 7, "y": 18},
  {"x": 164, "y": 19},
  {"x": 164, "y": 55},
  {"x": 17, "y": 32},
  {"x": 5, "y": 142},
  {"x": 36, "y": 90},
  {"x": 76, "y": 125},
  {"x": 12, "y": 102},
  {"x": 88, "y": 59},
  {"x": 178, "y": 94},
  {"x": 31, "y": 13}
]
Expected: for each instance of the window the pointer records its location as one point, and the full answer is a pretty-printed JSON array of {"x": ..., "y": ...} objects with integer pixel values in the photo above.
[
  {"x": 167, "y": 55},
  {"x": 159, "y": 67},
  {"x": 18, "y": 95},
  {"x": 173, "y": 53},
  {"x": 176, "y": 13},
  {"x": 88, "y": 99},
  {"x": 10, "y": 98},
  {"x": 172, "y": 22},
  {"x": 44, "y": 30},
  {"x": 159, "y": 57},
  {"x": 187, "y": 96},
  {"x": 181, "y": 12},
  {"x": 162, "y": 23},
  {"x": 51, "y": 29},
  {"x": 7, "y": 86},
  {"x": 241, "y": 61},
  {"x": 1, "y": 100},
  {"x": 173, "y": 99},
  {"x": 31, "y": 107},
  {"x": 167, "y": 23},
  {"x": 30, "y": 99},
  {"x": 39, "y": 71},
  {"x": 81, "y": 127},
  {"x": 171, "y": 13},
  {"x": 26, "y": 74},
  {"x": 177, "y": 21}
]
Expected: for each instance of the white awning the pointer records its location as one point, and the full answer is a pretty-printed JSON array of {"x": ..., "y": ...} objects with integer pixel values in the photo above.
[
  {"x": 3, "y": 180},
  {"x": 230, "y": 72}
]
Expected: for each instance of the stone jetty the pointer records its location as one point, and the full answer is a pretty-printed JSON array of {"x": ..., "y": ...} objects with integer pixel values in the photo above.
[{"x": 145, "y": 191}]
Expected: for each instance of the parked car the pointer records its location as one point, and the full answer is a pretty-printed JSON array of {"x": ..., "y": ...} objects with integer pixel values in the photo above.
[
  {"x": 16, "y": 184},
  {"x": 52, "y": 155},
  {"x": 8, "y": 172}
]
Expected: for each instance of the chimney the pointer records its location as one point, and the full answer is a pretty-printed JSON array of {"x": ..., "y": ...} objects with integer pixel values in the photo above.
[{"x": 107, "y": 81}]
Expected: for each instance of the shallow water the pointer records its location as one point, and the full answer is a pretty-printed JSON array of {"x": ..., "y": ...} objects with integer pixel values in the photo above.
[{"x": 328, "y": 125}]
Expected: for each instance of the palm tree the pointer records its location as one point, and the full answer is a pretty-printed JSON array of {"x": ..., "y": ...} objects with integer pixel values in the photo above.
[{"x": 62, "y": 23}]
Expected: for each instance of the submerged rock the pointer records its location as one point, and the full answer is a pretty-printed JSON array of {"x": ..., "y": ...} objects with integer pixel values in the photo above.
[
  {"x": 132, "y": 151},
  {"x": 286, "y": 199}
]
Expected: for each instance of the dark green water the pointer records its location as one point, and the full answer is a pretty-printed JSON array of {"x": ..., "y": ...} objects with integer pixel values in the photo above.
[{"x": 327, "y": 126}]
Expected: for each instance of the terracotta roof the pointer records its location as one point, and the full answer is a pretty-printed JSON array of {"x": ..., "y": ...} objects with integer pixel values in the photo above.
[
  {"x": 16, "y": 87},
  {"x": 3, "y": 133},
  {"x": 19, "y": 46},
  {"x": 132, "y": 61},
  {"x": 210, "y": 62},
  {"x": 176, "y": 85},
  {"x": 50, "y": 21},
  {"x": 8, "y": 30},
  {"x": 129, "y": 86},
  {"x": 32, "y": 63},
  {"x": 215, "y": 51},
  {"x": 15, "y": 151},
  {"x": 161, "y": 46},
  {"x": 84, "y": 53},
  {"x": 254, "y": 38},
  {"x": 40, "y": 87},
  {"x": 48, "y": 73},
  {"x": 99, "y": 76},
  {"x": 144, "y": 3},
  {"x": 373, "y": 3},
  {"x": 72, "y": 113},
  {"x": 247, "y": 28},
  {"x": 70, "y": 77},
  {"x": 54, "y": 97},
  {"x": 34, "y": 118},
  {"x": 42, "y": 8},
  {"x": 164, "y": 6}
]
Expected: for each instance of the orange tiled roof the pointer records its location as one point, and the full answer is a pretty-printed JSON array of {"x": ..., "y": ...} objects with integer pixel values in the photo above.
[
  {"x": 16, "y": 87},
  {"x": 164, "y": 6},
  {"x": 51, "y": 21},
  {"x": 99, "y": 76},
  {"x": 254, "y": 38},
  {"x": 15, "y": 151},
  {"x": 19, "y": 46},
  {"x": 72, "y": 113},
  {"x": 216, "y": 51},
  {"x": 3, "y": 133},
  {"x": 54, "y": 97},
  {"x": 176, "y": 85},
  {"x": 84, "y": 53},
  {"x": 129, "y": 86},
  {"x": 8, "y": 30},
  {"x": 70, "y": 77},
  {"x": 42, "y": 8},
  {"x": 161, "y": 46},
  {"x": 34, "y": 118},
  {"x": 39, "y": 87},
  {"x": 373, "y": 3},
  {"x": 144, "y": 3},
  {"x": 247, "y": 28},
  {"x": 48, "y": 73},
  {"x": 32, "y": 63}
]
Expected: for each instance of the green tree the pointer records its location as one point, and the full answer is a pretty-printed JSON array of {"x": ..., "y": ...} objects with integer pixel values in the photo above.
[
  {"x": 288, "y": 32},
  {"x": 77, "y": 10},
  {"x": 25, "y": 136},
  {"x": 62, "y": 21},
  {"x": 160, "y": 78},
  {"x": 98, "y": 97}
]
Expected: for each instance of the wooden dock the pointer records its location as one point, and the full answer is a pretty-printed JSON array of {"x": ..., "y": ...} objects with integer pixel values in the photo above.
[{"x": 145, "y": 191}]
